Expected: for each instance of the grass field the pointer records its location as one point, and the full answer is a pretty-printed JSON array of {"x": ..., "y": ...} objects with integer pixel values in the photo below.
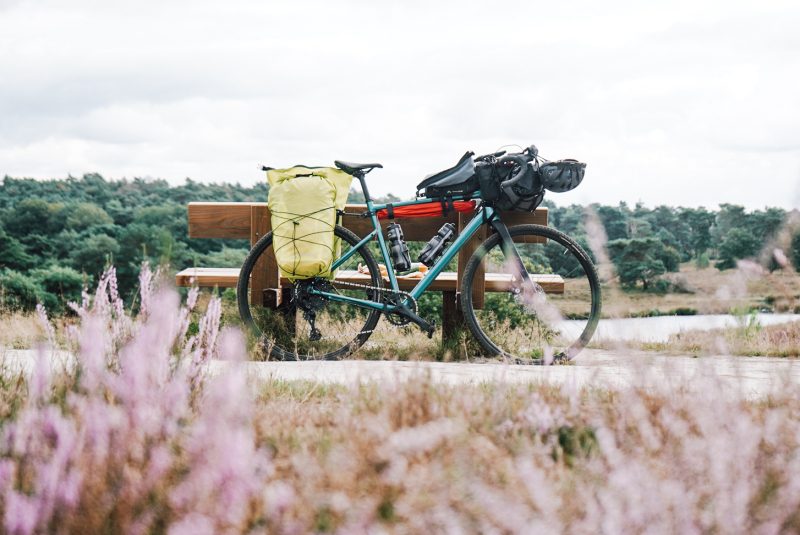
[{"x": 137, "y": 439}]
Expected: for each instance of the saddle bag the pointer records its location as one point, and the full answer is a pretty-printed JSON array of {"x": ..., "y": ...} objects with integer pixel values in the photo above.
[
  {"x": 458, "y": 180},
  {"x": 303, "y": 203}
]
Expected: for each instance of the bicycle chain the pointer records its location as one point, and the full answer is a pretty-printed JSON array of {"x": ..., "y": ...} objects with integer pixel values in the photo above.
[{"x": 381, "y": 289}]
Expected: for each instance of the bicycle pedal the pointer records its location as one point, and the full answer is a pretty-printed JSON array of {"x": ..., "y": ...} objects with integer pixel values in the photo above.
[{"x": 432, "y": 328}]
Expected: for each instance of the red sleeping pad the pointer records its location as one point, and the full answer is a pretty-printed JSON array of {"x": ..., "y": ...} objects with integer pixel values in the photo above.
[{"x": 426, "y": 210}]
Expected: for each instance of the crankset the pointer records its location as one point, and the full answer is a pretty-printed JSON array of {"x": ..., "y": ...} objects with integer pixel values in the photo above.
[
  {"x": 393, "y": 317},
  {"x": 401, "y": 315}
]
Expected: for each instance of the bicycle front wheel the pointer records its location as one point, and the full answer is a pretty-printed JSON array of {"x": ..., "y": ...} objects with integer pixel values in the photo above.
[
  {"x": 286, "y": 330},
  {"x": 554, "y": 319}
]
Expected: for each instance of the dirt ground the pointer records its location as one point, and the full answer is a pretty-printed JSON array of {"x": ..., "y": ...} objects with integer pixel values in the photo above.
[{"x": 708, "y": 291}]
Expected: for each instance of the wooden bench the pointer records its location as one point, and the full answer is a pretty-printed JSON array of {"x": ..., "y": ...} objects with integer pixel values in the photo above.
[{"x": 232, "y": 220}]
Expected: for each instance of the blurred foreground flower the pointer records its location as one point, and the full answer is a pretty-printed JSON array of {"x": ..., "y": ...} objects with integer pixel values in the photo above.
[{"x": 130, "y": 441}]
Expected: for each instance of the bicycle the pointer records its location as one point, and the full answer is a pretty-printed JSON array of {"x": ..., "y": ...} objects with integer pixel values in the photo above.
[{"x": 330, "y": 319}]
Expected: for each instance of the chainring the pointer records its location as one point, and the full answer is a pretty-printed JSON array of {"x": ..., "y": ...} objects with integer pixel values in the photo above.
[{"x": 396, "y": 319}]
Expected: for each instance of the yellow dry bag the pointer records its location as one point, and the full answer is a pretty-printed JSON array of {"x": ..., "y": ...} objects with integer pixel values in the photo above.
[{"x": 303, "y": 202}]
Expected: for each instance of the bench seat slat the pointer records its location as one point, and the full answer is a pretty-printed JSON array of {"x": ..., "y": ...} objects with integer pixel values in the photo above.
[{"x": 445, "y": 282}]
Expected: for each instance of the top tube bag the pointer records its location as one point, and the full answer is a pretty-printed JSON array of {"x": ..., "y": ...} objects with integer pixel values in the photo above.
[{"x": 458, "y": 180}]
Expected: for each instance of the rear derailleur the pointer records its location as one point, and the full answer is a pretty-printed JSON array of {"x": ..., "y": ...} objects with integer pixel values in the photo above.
[{"x": 306, "y": 298}]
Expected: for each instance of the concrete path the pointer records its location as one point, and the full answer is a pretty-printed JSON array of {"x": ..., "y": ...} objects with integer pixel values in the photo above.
[{"x": 748, "y": 376}]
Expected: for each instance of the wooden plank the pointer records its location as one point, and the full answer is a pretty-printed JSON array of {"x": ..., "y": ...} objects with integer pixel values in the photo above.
[
  {"x": 208, "y": 277},
  {"x": 227, "y": 220},
  {"x": 445, "y": 282},
  {"x": 539, "y": 217},
  {"x": 465, "y": 254},
  {"x": 265, "y": 280},
  {"x": 231, "y": 220}
]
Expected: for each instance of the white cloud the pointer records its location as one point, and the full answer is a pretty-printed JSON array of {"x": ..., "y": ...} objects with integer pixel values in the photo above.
[{"x": 689, "y": 103}]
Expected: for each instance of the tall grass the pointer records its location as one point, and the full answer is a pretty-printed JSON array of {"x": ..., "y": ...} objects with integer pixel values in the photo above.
[{"x": 138, "y": 438}]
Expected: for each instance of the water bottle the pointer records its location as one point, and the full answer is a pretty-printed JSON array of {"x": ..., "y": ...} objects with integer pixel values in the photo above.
[
  {"x": 434, "y": 248},
  {"x": 398, "y": 250}
]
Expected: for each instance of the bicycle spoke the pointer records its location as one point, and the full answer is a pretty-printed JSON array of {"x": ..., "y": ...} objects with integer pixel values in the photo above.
[
  {"x": 305, "y": 325},
  {"x": 524, "y": 322}
]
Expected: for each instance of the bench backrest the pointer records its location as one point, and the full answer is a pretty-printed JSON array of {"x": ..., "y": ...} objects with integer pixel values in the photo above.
[
  {"x": 243, "y": 220},
  {"x": 232, "y": 220}
]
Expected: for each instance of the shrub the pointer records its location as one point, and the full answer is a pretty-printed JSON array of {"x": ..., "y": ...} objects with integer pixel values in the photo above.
[
  {"x": 23, "y": 292},
  {"x": 738, "y": 244}
]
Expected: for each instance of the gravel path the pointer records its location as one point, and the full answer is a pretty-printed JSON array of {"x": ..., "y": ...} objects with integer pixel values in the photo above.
[{"x": 748, "y": 376}]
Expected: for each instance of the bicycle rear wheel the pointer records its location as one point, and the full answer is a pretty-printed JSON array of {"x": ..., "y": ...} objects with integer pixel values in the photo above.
[
  {"x": 547, "y": 319},
  {"x": 286, "y": 330}
]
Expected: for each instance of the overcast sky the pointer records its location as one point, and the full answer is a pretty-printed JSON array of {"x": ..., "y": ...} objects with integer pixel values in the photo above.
[{"x": 681, "y": 103}]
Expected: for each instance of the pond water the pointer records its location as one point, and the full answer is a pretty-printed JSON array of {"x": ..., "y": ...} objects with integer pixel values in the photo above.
[{"x": 659, "y": 329}]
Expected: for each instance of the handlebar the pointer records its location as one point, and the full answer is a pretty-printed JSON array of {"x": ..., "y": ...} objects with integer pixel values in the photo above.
[
  {"x": 487, "y": 157},
  {"x": 520, "y": 174}
]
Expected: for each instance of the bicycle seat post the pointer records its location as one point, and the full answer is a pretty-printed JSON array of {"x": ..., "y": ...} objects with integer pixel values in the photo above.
[
  {"x": 359, "y": 171},
  {"x": 362, "y": 178}
]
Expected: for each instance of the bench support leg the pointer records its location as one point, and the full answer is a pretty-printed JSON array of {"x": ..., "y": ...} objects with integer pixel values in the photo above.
[{"x": 452, "y": 317}]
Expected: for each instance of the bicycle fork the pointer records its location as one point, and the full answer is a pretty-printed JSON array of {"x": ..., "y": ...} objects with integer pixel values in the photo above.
[{"x": 517, "y": 268}]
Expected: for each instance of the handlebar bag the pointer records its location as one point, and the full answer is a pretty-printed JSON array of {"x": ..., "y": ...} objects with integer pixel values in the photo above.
[
  {"x": 490, "y": 175},
  {"x": 458, "y": 180},
  {"x": 525, "y": 196},
  {"x": 303, "y": 202}
]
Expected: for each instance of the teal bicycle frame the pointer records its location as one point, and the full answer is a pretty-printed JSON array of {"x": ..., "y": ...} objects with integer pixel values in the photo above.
[{"x": 484, "y": 215}]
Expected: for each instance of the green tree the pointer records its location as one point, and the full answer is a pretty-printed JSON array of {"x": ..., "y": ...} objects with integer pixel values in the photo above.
[
  {"x": 637, "y": 260},
  {"x": 40, "y": 248},
  {"x": 796, "y": 251},
  {"x": 93, "y": 253},
  {"x": 764, "y": 225},
  {"x": 614, "y": 222},
  {"x": 699, "y": 222},
  {"x": 639, "y": 228},
  {"x": 61, "y": 281},
  {"x": 729, "y": 217},
  {"x": 671, "y": 259},
  {"x": 86, "y": 215},
  {"x": 739, "y": 243},
  {"x": 29, "y": 217},
  {"x": 13, "y": 253}
]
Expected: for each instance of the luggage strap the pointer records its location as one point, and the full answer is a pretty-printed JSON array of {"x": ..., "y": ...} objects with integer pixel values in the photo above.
[{"x": 447, "y": 202}]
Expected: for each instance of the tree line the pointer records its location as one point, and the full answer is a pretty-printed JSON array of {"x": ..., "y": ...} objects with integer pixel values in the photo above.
[{"x": 57, "y": 236}]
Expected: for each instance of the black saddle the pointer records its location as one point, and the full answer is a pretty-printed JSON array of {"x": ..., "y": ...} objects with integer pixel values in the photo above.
[{"x": 353, "y": 168}]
